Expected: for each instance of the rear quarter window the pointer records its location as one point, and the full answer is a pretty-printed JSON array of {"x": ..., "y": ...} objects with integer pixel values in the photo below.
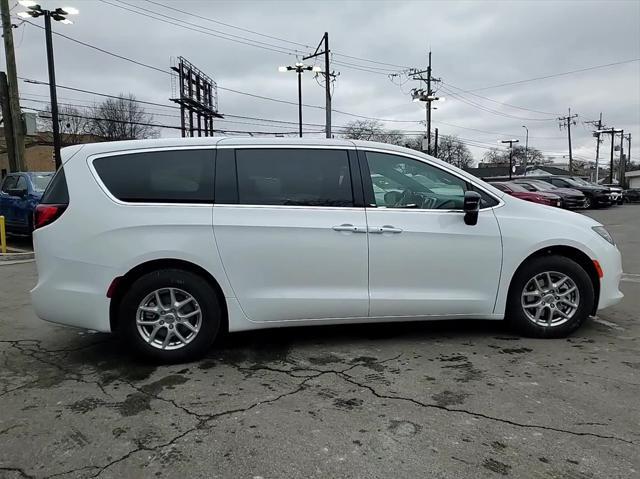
[{"x": 172, "y": 176}]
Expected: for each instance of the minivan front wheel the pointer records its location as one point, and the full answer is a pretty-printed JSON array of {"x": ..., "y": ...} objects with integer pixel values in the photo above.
[
  {"x": 170, "y": 315},
  {"x": 550, "y": 297}
]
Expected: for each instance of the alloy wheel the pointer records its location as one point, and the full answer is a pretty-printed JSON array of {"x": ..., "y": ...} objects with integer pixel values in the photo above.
[
  {"x": 550, "y": 299},
  {"x": 168, "y": 318}
]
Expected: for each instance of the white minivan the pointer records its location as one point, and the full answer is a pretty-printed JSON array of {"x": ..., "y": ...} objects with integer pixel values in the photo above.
[{"x": 172, "y": 241}]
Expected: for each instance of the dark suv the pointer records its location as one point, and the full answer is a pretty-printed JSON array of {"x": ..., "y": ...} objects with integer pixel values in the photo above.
[{"x": 595, "y": 195}]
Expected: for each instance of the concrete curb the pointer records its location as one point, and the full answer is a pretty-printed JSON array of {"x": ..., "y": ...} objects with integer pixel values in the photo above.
[{"x": 16, "y": 256}]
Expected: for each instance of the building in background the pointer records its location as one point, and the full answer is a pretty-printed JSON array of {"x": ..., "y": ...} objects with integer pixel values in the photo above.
[{"x": 39, "y": 150}]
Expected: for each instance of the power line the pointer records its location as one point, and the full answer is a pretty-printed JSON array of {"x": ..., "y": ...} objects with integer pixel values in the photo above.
[
  {"x": 205, "y": 30},
  {"x": 202, "y": 17},
  {"x": 460, "y": 90},
  {"x": 552, "y": 75},
  {"x": 489, "y": 110}
]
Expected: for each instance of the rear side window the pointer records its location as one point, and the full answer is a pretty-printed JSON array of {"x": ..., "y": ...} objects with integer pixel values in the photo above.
[
  {"x": 56, "y": 192},
  {"x": 296, "y": 177},
  {"x": 175, "y": 176},
  {"x": 9, "y": 183}
]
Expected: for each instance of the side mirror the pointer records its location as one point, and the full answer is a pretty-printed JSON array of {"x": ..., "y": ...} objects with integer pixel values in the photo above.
[{"x": 471, "y": 207}]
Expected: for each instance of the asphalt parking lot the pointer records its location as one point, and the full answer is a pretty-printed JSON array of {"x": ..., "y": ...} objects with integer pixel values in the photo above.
[{"x": 433, "y": 400}]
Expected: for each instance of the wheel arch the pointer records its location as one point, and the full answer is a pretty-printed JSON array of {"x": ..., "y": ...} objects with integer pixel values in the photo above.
[
  {"x": 572, "y": 253},
  {"x": 122, "y": 283}
]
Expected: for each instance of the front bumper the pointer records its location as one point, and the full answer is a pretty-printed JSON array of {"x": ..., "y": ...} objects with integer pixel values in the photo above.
[
  {"x": 611, "y": 264},
  {"x": 573, "y": 202}
]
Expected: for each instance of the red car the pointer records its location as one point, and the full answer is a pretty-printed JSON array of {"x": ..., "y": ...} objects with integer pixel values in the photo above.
[{"x": 519, "y": 191}]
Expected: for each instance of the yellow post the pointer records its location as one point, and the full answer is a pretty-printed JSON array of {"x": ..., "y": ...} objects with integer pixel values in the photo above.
[{"x": 3, "y": 237}]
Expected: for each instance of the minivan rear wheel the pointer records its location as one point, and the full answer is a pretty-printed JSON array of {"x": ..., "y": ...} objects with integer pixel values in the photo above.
[
  {"x": 170, "y": 315},
  {"x": 550, "y": 297}
]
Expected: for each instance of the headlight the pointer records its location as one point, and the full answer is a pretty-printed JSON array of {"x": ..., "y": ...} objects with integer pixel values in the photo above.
[{"x": 604, "y": 233}]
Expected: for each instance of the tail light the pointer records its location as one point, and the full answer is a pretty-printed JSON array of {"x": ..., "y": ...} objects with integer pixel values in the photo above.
[{"x": 47, "y": 214}]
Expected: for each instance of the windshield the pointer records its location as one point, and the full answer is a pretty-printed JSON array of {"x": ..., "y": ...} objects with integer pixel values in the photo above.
[
  {"x": 573, "y": 182},
  {"x": 516, "y": 187},
  {"x": 537, "y": 186},
  {"x": 544, "y": 186},
  {"x": 580, "y": 181},
  {"x": 40, "y": 181}
]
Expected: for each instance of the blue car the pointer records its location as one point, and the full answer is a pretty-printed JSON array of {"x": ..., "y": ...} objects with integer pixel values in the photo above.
[{"x": 19, "y": 195}]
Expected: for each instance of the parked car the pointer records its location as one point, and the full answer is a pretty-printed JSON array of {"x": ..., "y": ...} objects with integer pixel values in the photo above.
[
  {"x": 519, "y": 191},
  {"x": 616, "y": 193},
  {"x": 570, "y": 198},
  {"x": 596, "y": 195},
  {"x": 631, "y": 195},
  {"x": 172, "y": 241},
  {"x": 19, "y": 195}
]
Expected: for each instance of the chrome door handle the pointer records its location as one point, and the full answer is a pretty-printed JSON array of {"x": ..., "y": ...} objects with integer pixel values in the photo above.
[
  {"x": 349, "y": 227},
  {"x": 384, "y": 229}
]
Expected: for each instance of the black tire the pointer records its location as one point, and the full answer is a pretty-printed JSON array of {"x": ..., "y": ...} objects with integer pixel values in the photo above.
[
  {"x": 588, "y": 203},
  {"x": 194, "y": 285},
  {"x": 515, "y": 314}
]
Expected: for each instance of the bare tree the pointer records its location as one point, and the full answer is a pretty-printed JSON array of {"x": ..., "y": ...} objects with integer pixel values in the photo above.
[
  {"x": 499, "y": 156},
  {"x": 453, "y": 151},
  {"x": 72, "y": 123},
  {"x": 372, "y": 130},
  {"x": 121, "y": 118}
]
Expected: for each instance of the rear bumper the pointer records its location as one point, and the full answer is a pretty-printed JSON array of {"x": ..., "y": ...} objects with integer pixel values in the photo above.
[
  {"x": 72, "y": 293},
  {"x": 611, "y": 263}
]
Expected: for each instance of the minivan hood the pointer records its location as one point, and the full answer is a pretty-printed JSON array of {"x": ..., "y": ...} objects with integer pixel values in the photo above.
[{"x": 537, "y": 212}]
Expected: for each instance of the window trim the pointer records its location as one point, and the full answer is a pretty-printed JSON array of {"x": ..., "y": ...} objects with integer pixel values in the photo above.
[
  {"x": 103, "y": 187},
  {"x": 368, "y": 184},
  {"x": 356, "y": 190}
]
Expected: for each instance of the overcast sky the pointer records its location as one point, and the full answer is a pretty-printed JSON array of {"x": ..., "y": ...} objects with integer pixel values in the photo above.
[{"x": 475, "y": 45}]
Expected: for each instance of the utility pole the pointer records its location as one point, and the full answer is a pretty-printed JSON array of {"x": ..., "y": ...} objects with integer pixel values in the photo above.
[
  {"x": 435, "y": 146},
  {"x": 427, "y": 96},
  {"x": 526, "y": 150},
  {"x": 621, "y": 166},
  {"x": 17, "y": 129},
  {"x": 327, "y": 77},
  {"x": 511, "y": 142},
  {"x": 8, "y": 122},
  {"x": 566, "y": 122},
  {"x": 600, "y": 129},
  {"x": 628, "y": 154},
  {"x": 429, "y": 92},
  {"x": 613, "y": 140}
]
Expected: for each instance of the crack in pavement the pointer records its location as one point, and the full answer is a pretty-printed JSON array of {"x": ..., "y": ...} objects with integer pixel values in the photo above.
[
  {"x": 204, "y": 419},
  {"x": 69, "y": 374},
  {"x": 349, "y": 379},
  {"x": 18, "y": 470}
]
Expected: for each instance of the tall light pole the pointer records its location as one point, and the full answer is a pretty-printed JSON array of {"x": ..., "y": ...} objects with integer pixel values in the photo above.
[
  {"x": 300, "y": 68},
  {"x": 612, "y": 132},
  {"x": 418, "y": 94},
  {"x": 511, "y": 142},
  {"x": 59, "y": 15},
  {"x": 526, "y": 150}
]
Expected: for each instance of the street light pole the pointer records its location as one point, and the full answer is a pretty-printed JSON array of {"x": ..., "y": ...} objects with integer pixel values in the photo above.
[
  {"x": 526, "y": 150},
  {"x": 52, "y": 91},
  {"x": 60, "y": 15},
  {"x": 299, "y": 68},
  {"x": 511, "y": 142},
  {"x": 300, "y": 103}
]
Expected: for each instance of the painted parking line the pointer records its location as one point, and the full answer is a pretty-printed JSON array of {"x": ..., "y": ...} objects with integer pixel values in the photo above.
[{"x": 630, "y": 277}]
